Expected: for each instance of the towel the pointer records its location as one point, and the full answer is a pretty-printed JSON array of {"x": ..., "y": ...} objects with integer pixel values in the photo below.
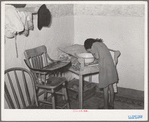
[{"x": 26, "y": 18}]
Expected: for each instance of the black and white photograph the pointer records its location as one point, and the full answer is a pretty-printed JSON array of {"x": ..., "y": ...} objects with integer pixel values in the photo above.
[{"x": 74, "y": 60}]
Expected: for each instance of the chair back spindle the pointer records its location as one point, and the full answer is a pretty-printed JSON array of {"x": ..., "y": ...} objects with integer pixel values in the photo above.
[
  {"x": 36, "y": 57},
  {"x": 8, "y": 98},
  {"x": 19, "y": 88}
]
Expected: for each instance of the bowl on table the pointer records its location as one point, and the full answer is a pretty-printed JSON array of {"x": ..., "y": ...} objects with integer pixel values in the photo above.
[{"x": 89, "y": 58}]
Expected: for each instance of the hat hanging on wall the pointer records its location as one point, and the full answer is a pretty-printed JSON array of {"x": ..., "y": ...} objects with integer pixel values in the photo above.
[{"x": 44, "y": 17}]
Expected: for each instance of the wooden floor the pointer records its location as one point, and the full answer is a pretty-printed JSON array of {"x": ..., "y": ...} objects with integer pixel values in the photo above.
[{"x": 96, "y": 101}]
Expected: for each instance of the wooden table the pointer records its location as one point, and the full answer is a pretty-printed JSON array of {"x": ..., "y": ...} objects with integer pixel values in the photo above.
[{"x": 84, "y": 70}]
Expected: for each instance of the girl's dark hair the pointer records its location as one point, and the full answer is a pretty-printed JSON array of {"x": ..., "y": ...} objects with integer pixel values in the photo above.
[{"x": 89, "y": 42}]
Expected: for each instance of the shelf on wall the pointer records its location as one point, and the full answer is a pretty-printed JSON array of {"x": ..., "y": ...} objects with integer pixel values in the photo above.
[{"x": 33, "y": 10}]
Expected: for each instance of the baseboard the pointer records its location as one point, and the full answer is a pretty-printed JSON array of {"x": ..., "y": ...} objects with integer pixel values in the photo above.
[{"x": 128, "y": 93}]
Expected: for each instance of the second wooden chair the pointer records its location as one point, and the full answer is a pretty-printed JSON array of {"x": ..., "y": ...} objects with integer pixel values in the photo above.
[{"x": 46, "y": 83}]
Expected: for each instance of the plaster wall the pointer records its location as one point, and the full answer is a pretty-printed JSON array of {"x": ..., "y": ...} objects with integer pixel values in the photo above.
[{"x": 121, "y": 28}]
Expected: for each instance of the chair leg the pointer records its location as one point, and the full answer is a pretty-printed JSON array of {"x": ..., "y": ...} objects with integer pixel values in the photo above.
[
  {"x": 37, "y": 91},
  {"x": 53, "y": 100},
  {"x": 45, "y": 95},
  {"x": 63, "y": 91},
  {"x": 66, "y": 95}
]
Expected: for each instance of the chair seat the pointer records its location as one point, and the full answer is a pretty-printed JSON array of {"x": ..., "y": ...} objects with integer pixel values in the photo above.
[{"x": 54, "y": 82}]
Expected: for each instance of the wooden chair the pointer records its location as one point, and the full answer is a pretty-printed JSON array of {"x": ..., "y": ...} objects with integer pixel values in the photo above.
[
  {"x": 20, "y": 89},
  {"x": 46, "y": 81}
]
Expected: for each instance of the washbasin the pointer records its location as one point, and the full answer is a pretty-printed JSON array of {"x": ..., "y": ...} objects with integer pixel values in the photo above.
[{"x": 89, "y": 58}]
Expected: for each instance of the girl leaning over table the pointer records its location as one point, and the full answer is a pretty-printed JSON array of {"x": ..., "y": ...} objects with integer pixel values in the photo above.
[{"x": 107, "y": 69}]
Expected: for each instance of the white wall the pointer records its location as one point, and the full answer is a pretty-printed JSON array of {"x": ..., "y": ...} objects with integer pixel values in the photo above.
[
  {"x": 121, "y": 27},
  {"x": 119, "y": 32},
  {"x": 60, "y": 33}
]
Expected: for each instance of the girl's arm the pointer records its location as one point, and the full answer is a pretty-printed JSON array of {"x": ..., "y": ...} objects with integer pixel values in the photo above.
[
  {"x": 117, "y": 53},
  {"x": 113, "y": 50}
]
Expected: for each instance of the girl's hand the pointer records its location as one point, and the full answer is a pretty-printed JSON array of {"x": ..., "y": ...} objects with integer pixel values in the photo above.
[{"x": 116, "y": 55}]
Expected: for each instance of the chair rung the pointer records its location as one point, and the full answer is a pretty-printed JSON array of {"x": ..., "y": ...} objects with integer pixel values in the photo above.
[
  {"x": 40, "y": 93},
  {"x": 43, "y": 101},
  {"x": 62, "y": 106},
  {"x": 59, "y": 93}
]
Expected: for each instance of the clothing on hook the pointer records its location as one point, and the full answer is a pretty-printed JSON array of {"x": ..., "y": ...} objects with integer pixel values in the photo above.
[{"x": 13, "y": 23}]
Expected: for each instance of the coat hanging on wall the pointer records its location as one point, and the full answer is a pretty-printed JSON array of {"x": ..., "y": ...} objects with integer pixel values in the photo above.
[
  {"x": 44, "y": 17},
  {"x": 13, "y": 23},
  {"x": 17, "y": 23}
]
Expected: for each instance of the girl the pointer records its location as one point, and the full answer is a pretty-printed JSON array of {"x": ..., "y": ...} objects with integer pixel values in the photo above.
[{"x": 107, "y": 69}]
